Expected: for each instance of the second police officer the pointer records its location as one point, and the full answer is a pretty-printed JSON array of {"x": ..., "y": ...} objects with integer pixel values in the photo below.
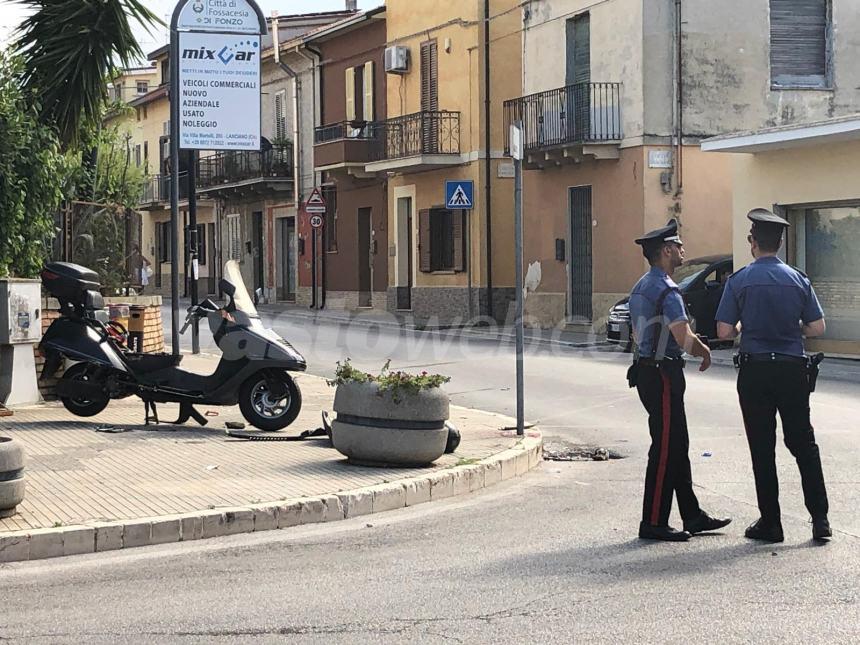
[
  {"x": 662, "y": 332},
  {"x": 773, "y": 306}
]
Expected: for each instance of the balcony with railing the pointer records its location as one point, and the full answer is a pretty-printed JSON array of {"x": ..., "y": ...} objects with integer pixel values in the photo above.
[
  {"x": 567, "y": 123},
  {"x": 347, "y": 144},
  {"x": 415, "y": 142},
  {"x": 156, "y": 191},
  {"x": 240, "y": 172}
]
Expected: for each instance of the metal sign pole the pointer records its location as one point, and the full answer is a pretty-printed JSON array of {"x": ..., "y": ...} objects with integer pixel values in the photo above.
[
  {"x": 516, "y": 149},
  {"x": 205, "y": 24},
  {"x": 174, "y": 189},
  {"x": 194, "y": 246}
]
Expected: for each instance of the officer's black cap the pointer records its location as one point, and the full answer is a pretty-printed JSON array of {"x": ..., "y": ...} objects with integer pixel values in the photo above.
[
  {"x": 668, "y": 233},
  {"x": 764, "y": 216}
]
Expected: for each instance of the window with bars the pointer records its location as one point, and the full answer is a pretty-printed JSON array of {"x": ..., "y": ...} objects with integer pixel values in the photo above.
[
  {"x": 800, "y": 43},
  {"x": 234, "y": 236}
]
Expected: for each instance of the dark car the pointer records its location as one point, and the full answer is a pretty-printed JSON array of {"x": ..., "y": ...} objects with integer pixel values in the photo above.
[{"x": 701, "y": 281}]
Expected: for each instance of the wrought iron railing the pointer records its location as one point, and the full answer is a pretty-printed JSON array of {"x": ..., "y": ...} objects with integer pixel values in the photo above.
[
  {"x": 580, "y": 113},
  {"x": 240, "y": 165},
  {"x": 360, "y": 130},
  {"x": 156, "y": 188},
  {"x": 422, "y": 133}
]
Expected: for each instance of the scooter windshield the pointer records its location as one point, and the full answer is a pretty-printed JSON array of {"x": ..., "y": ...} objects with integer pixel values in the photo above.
[{"x": 242, "y": 299}]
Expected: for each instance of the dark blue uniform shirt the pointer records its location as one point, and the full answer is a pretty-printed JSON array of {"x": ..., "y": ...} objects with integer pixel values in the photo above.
[
  {"x": 770, "y": 299},
  {"x": 652, "y": 333}
]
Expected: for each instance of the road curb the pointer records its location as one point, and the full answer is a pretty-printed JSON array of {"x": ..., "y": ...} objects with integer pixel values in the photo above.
[{"x": 96, "y": 537}]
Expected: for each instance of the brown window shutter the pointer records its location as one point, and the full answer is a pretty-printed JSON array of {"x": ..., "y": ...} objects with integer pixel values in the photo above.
[
  {"x": 424, "y": 240},
  {"x": 429, "y": 77},
  {"x": 458, "y": 224}
]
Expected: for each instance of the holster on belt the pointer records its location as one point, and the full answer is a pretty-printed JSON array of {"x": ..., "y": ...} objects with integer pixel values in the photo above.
[
  {"x": 633, "y": 373},
  {"x": 812, "y": 366}
]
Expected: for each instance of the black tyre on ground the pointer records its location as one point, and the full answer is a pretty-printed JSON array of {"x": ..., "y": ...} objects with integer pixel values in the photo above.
[
  {"x": 262, "y": 410},
  {"x": 82, "y": 407}
]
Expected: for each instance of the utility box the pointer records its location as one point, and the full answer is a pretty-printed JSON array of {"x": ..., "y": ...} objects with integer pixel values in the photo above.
[
  {"x": 20, "y": 330},
  {"x": 20, "y": 311}
]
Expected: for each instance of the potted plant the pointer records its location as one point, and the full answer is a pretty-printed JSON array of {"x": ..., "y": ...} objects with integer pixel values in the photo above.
[{"x": 391, "y": 418}]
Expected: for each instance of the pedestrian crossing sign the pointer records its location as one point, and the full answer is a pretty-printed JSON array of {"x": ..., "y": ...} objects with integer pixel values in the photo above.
[{"x": 459, "y": 194}]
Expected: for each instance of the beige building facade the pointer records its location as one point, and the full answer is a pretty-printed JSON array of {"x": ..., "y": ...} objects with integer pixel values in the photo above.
[
  {"x": 617, "y": 97},
  {"x": 809, "y": 174},
  {"x": 447, "y": 266}
]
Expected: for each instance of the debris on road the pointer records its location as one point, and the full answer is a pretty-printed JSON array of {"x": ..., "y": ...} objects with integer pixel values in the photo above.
[
  {"x": 235, "y": 425},
  {"x": 111, "y": 429},
  {"x": 559, "y": 450}
]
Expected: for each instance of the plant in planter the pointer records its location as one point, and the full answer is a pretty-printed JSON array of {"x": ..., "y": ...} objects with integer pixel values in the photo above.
[{"x": 390, "y": 418}]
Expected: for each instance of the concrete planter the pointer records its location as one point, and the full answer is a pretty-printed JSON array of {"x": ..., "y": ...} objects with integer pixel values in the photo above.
[
  {"x": 12, "y": 484},
  {"x": 373, "y": 428}
]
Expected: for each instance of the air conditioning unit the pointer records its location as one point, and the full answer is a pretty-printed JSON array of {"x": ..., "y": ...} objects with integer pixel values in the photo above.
[{"x": 397, "y": 59}]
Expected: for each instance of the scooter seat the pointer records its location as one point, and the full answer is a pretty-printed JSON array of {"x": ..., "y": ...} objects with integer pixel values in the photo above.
[{"x": 152, "y": 362}]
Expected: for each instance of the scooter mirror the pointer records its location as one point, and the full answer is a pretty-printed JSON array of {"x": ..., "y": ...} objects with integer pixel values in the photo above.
[{"x": 227, "y": 287}]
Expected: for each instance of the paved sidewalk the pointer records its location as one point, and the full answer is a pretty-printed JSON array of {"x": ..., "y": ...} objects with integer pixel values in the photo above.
[{"x": 77, "y": 476}]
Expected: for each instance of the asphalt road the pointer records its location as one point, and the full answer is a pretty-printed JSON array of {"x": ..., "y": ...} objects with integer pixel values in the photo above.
[{"x": 551, "y": 558}]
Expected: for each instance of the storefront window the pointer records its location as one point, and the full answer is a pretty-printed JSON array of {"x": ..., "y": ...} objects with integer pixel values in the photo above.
[{"x": 827, "y": 240}]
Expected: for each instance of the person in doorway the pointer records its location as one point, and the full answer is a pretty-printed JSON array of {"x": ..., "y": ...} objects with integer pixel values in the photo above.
[
  {"x": 773, "y": 306},
  {"x": 141, "y": 267},
  {"x": 662, "y": 333}
]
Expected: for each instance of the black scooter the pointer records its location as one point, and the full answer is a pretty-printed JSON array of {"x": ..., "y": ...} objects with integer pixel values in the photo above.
[{"x": 253, "y": 371}]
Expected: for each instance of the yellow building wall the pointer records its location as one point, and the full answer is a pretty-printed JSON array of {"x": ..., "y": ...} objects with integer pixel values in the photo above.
[
  {"x": 806, "y": 175},
  {"x": 458, "y": 29},
  {"x": 811, "y": 174}
]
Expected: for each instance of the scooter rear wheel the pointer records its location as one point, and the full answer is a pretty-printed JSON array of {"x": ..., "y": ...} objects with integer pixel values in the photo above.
[
  {"x": 82, "y": 407},
  {"x": 263, "y": 411}
]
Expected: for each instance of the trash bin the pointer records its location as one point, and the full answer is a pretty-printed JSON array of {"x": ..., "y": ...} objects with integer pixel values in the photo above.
[{"x": 136, "y": 326}]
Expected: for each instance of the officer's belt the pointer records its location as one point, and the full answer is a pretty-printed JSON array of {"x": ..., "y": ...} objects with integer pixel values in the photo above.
[
  {"x": 771, "y": 357},
  {"x": 665, "y": 362}
]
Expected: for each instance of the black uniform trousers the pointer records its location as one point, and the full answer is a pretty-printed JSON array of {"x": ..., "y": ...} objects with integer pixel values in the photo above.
[
  {"x": 766, "y": 388},
  {"x": 661, "y": 390}
]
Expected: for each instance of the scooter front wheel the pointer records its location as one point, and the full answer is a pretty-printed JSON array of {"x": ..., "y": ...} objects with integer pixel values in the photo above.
[{"x": 263, "y": 410}]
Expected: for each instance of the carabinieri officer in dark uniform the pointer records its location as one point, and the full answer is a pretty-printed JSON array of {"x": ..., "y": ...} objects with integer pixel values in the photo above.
[
  {"x": 773, "y": 306},
  {"x": 661, "y": 329}
]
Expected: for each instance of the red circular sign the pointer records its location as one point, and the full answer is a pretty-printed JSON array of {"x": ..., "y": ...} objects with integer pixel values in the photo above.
[{"x": 316, "y": 221}]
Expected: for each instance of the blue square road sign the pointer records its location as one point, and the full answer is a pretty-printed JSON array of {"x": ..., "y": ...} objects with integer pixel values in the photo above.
[{"x": 459, "y": 194}]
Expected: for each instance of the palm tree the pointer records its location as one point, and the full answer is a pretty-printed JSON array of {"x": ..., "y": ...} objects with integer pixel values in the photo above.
[{"x": 70, "y": 49}]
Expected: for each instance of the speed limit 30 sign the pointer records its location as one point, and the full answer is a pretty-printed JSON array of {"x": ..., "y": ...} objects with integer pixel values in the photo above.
[{"x": 317, "y": 221}]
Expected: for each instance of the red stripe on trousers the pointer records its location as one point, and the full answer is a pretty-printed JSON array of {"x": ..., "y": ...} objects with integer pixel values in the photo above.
[{"x": 664, "y": 449}]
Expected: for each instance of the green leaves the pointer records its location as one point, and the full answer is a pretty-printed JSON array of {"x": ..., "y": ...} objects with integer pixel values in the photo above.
[
  {"x": 70, "y": 48},
  {"x": 33, "y": 174},
  {"x": 397, "y": 383}
]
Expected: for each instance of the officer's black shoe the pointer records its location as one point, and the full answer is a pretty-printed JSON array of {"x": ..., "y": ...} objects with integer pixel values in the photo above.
[
  {"x": 705, "y": 523},
  {"x": 767, "y": 532},
  {"x": 665, "y": 533},
  {"x": 821, "y": 529}
]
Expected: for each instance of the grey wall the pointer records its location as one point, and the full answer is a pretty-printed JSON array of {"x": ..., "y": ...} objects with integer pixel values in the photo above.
[{"x": 726, "y": 68}]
